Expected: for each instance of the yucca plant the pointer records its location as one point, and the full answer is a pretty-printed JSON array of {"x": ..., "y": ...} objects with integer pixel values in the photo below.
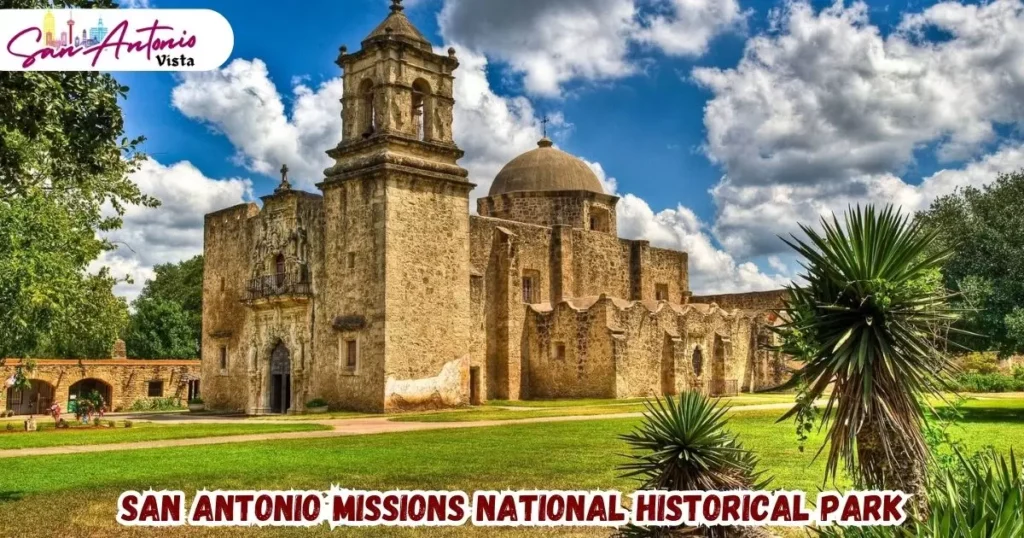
[
  {"x": 984, "y": 498},
  {"x": 682, "y": 444},
  {"x": 863, "y": 324}
]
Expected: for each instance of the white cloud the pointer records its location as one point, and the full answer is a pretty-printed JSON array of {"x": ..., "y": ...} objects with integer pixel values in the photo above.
[
  {"x": 549, "y": 41},
  {"x": 712, "y": 270},
  {"x": 173, "y": 231},
  {"x": 552, "y": 42},
  {"x": 686, "y": 27},
  {"x": 242, "y": 102},
  {"x": 825, "y": 111}
]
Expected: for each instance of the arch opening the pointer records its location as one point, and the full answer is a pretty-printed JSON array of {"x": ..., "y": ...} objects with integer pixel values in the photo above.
[
  {"x": 85, "y": 388},
  {"x": 34, "y": 400},
  {"x": 600, "y": 219},
  {"x": 367, "y": 108},
  {"x": 421, "y": 109},
  {"x": 280, "y": 379}
]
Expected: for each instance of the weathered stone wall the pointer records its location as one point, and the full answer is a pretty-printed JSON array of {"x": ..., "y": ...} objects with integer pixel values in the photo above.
[
  {"x": 626, "y": 349},
  {"x": 585, "y": 367},
  {"x": 552, "y": 208},
  {"x": 755, "y": 300},
  {"x": 353, "y": 295},
  {"x": 226, "y": 274},
  {"x": 126, "y": 380},
  {"x": 427, "y": 291}
]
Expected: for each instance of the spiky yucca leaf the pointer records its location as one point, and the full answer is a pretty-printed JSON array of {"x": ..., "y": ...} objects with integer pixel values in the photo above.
[
  {"x": 682, "y": 445},
  {"x": 867, "y": 328},
  {"x": 985, "y": 501}
]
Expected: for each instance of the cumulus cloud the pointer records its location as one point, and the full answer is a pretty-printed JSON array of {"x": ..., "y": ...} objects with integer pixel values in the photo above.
[
  {"x": 686, "y": 27},
  {"x": 173, "y": 231},
  {"x": 241, "y": 102},
  {"x": 824, "y": 111},
  {"x": 552, "y": 42}
]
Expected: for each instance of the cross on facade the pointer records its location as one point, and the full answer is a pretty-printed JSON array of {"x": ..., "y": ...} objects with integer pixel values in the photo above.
[
  {"x": 284, "y": 186},
  {"x": 544, "y": 123},
  {"x": 396, "y": 5}
]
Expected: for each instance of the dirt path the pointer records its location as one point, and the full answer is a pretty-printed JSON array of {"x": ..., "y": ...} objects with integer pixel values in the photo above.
[{"x": 342, "y": 427}]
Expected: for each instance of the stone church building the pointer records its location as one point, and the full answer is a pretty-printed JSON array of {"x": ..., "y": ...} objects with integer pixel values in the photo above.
[{"x": 384, "y": 293}]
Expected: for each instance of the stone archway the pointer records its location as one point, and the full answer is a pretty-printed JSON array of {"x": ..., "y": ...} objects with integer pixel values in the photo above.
[
  {"x": 280, "y": 390},
  {"x": 85, "y": 387},
  {"x": 35, "y": 400}
]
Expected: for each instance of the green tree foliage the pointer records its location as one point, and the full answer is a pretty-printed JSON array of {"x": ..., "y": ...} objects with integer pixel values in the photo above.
[
  {"x": 64, "y": 178},
  {"x": 866, "y": 323},
  {"x": 167, "y": 322},
  {"x": 985, "y": 230}
]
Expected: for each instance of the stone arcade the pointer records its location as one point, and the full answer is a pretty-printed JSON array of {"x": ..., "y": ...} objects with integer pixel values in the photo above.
[{"x": 385, "y": 294}]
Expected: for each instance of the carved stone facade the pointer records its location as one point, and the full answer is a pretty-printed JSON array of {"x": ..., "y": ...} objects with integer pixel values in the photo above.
[{"x": 385, "y": 294}]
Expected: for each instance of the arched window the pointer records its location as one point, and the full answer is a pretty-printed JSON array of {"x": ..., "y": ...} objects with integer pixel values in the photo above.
[
  {"x": 698, "y": 361},
  {"x": 279, "y": 270},
  {"x": 367, "y": 111},
  {"x": 421, "y": 108}
]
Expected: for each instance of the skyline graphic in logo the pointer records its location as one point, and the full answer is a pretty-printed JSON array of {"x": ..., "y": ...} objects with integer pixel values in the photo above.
[{"x": 55, "y": 36}]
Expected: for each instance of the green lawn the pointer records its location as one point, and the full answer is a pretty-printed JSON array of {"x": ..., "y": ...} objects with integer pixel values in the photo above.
[
  {"x": 518, "y": 410},
  {"x": 742, "y": 399},
  {"x": 567, "y": 455},
  {"x": 140, "y": 431}
]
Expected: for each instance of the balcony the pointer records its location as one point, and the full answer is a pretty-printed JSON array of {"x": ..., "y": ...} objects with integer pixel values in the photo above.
[{"x": 278, "y": 288}]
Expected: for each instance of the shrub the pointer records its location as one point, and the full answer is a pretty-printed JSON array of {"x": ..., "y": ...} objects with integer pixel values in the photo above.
[
  {"x": 127, "y": 424},
  {"x": 10, "y": 427},
  {"x": 981, "y": 499},
  {"x": 994, "y": 382},
  {"x": 196, "y": 401},
  {"x": 682, "y": 445},
  {"x": 318, "y": 402},
  {"x": 156, "y": 404},
  {"x": 981, "y": 363}
]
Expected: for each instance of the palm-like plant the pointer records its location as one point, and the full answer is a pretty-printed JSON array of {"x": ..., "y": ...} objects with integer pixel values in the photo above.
[
  {"x": 683, "y": 445},
  {"x": 864, "y": 324},
  {"x": 983, "y": 498}
]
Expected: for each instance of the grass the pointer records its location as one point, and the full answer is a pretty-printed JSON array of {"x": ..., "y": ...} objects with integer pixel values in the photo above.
[
  {"x": 519, "y": 410},
  {"x": 742, "y": 399},
  {"x": 140, "y": 431},
  {"x": 566, "y": 455}
]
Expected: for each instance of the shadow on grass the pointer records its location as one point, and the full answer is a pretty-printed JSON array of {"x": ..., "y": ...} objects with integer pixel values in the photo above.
[
  {"x": 992, "y": 414},
  {"x": 11, "y": 496}
]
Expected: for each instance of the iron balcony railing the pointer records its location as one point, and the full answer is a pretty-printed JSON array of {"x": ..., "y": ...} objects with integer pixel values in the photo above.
[{"x": 275, "y": 286}]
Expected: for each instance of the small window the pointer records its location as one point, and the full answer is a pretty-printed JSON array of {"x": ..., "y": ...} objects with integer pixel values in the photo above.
[
  {"x": 351, "y": 261},
  {"x": 223, "y": 357},
  {"x": 351, "y": 354},
  {"x": 528, "y": 285},
  {"x": 156, "y": 389},
  {"x": 698, "y": 362},
  {"x": 221, "y": 283},
  {"x": 560, "y": 351},
  {"x": 661, "y": 292}
]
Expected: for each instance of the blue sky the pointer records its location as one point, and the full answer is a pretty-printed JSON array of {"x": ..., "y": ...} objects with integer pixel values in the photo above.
[{"x": 722, "y": 122}]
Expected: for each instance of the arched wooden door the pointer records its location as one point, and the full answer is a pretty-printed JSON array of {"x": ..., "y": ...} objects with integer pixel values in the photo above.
[{"x": 280, "y": 379}]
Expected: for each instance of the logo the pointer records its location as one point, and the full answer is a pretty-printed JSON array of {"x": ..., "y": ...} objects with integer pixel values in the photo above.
[{"x": 113, "y": 40}]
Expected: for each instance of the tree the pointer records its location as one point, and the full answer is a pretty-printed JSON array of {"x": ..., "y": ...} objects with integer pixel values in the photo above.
[
  {"x": 865, "y": 323},
  {"x": 985, "y": 230},
  {"x": 64, "y": 179},
  {"x": 167, "y": 322}
]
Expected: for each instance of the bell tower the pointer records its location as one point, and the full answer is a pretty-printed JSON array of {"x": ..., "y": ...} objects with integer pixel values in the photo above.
[{"x": 396, "y": 230}]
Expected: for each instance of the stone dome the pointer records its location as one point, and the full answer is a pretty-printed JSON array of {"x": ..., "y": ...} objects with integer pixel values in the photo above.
[{"x": 545, "y": 169}]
